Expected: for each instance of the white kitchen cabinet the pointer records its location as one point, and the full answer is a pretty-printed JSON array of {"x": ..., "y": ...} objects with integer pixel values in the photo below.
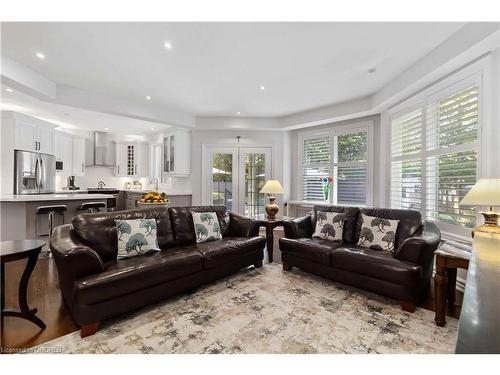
[
  {"x": 177, "y": 153},
  {"x": 78, "y": 156},
  {"x": 63, "y": 151},
  {"x": 34, "y": 135},
  {"x": 132, "y": 159}
]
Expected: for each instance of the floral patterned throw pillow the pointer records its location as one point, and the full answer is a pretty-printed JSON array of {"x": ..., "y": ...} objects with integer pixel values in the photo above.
[
  {"x": 378, "y": 233},
  {"x": 136, "y": 237},
  {"x": 206, "y": 226},
  {"x": 329, "y": 226}
]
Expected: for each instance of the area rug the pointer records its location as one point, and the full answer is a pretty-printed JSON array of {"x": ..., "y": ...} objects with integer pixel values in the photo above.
[{"x": 267, "y": 310}]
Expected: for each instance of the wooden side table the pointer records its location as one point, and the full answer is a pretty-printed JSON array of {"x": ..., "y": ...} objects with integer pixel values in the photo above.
[
  {"x": 445, "y": 281},
  {"x": 270, "y": 225},
  {"x": 15, "y": 250}
]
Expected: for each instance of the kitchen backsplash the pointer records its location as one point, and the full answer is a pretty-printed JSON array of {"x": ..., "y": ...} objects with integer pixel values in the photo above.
[{"x": 95, "y": 174}]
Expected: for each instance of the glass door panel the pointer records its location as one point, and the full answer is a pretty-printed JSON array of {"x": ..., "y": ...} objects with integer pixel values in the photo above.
[
  {"x": 222, "y": 179},
  {"x": 255, "y": 167}
]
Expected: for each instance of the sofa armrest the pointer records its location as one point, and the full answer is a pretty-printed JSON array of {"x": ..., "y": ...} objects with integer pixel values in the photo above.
[
  {"x": 241, "y": 226},
  {"x": 73, "y": 258},
  {"x": 299, "y": 227},
  {"x": 419, "y": 248}
]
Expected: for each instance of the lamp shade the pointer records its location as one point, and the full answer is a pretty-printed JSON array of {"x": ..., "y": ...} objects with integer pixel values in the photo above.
[
  {"x": 486, "y": 192},
  {"x": 272, "y": 187}
]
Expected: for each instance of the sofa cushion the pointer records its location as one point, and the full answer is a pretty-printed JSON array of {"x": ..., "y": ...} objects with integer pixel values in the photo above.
[
  {"x": 182, "y": 222},
  {"x": 136, "y": 237},
  {"x": 206, "y": 226},
  {"x": 316, "y": 250},
  {"x": 350, "y": 221},
  {"x": 377, "y": 264},
  {"x": 409, "y": 222},
  {"x": 227, "y": 249},
  {"x": 378, "y": 233},
  {"x": 329, "y": 226},
  {"x": 98, "y": 230},
  {"x": 131, "y": 274}
]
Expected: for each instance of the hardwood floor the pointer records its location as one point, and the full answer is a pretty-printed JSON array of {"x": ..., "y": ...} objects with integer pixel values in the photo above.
[{"x": 43, "y": 293}]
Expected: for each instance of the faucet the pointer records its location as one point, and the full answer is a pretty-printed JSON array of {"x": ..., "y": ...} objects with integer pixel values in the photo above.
[
  {"x": 100, "y": 185},
  {"x": 155, "y": 181}
]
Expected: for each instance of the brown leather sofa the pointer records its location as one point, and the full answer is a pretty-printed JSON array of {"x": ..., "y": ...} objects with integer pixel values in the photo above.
[
  {"x": 96, "y": 286},
  {"x": 403, "y": 275}
]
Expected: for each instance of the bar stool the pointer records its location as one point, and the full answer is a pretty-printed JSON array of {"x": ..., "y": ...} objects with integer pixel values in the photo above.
[
  {"x": 91, "y": 207},
  {"x": 51, "y": 211}
]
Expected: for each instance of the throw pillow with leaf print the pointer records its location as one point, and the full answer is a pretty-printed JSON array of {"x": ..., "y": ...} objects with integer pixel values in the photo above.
[
  {"x": 378, "y": 233},
  {"x": 136, "y": 237},
  {"x": 329, "y": 226},
  {"x": 206, "y": 226}
]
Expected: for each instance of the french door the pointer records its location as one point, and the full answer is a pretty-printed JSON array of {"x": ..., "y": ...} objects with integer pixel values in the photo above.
[{"x": 234, "y": 176}]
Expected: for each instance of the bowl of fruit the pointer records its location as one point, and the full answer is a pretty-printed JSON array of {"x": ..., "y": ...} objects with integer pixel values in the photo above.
[{"x": 153, "y": 199}]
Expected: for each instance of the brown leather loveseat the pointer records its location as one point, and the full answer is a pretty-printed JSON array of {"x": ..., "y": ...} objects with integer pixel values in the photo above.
[
  {"x": 96, "y": 286},
  {"x": 403, "y": 275}
]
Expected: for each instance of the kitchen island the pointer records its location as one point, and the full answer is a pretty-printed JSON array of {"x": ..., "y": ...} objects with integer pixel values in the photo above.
[{"x": 18, "y": 212}]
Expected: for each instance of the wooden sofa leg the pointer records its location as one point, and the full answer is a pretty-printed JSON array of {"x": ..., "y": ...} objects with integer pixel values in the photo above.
[
  {"x": 88, "y": 329},
  {"x": 407, "y": 306},
  {"x": 258, "y": 264},
  {"x": 286, "y": 266}
]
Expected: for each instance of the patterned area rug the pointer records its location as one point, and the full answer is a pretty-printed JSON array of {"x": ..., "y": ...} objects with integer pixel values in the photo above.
[{"x": 267, "y": 310}]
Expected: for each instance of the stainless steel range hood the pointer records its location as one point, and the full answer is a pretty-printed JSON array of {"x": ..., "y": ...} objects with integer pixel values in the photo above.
[{"x": 102, "y": 151}]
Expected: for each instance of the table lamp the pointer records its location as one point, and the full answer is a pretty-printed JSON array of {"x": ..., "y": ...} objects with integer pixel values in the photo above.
[
  {"x": 272, "y": 187},
  {"x": 486, "y": 192}
]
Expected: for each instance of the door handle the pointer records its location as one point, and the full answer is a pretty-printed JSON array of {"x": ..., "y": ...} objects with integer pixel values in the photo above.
[
  {"x": 37, "y": 178},
  {"x": 83, "y": 166},
  {"x": 118, "y": 168},
  {"x": 41, "y": 173}
]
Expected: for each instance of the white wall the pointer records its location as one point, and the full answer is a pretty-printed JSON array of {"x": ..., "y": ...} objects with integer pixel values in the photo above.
[{"x": 278, "y": 139}]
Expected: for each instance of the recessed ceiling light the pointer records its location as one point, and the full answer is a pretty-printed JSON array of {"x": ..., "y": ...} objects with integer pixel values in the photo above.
[
  {"x": 238, "y": 113},
  {"x": 262, "y": 87},
  {"x": 106, "y": 128},
  {"x": 8, "y": 89},
  {"x": 372, "y": 70},
  {"x": 152, "y": 128},
  {"x": 148, "y": 97},
  {"x": 167, "y": 45},
  {"x": 40, "y": 55}
]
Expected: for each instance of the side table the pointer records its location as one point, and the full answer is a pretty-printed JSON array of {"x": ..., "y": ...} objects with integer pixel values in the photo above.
[
  {"x": 15, "y": 250},
  {"x": 270, "y": 225},
  {"x": 445, "y": 281}
]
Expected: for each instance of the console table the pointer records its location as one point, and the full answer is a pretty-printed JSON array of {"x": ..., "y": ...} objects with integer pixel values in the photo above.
[
  {"x": 16, "y": 250},
  {"x": 479, "y": 325}
]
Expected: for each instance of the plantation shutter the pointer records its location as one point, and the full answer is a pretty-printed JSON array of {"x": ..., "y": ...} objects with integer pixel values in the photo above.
[
  {"x": 451, "y": 164},
  {"x": 434, "y": 153},
  {"x": 406, "y": 165},
  {"x": 315, "y": 165}
]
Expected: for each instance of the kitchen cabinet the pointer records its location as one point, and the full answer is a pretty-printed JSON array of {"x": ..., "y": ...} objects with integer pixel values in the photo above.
[
  {"x": 131, "y": 199},
  {"x": 177, "y": 153},
  {"x": 78, "y": 156},
  {"x": 63, "y": 151},
  {"x": 34, "y": 135},
  {"x": 132, "y": 159}
]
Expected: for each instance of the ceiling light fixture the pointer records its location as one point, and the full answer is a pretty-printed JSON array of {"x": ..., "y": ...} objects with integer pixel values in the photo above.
[
  {"x": 262, "y": 87},
  {"x": 40, "y": 55},
  {"x": 152, "y": 128},
  {"x": 238, "y": 113},
  {"x": 372, "y": 70},
  {"x": 8, "y": 89},
  {"x": 167, "y": 45},
  {"x": 148, "y": 97},
  {"x": 106, "y": 128}
]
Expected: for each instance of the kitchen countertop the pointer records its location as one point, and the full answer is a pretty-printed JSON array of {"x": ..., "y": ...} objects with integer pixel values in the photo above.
[
  {"x": 53, "y": 197},
  {"x": 168, "y": 192}
]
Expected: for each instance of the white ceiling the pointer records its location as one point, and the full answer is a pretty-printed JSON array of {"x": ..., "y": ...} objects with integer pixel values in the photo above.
[
  {"x": 75, "y": 119},
  {"x": 216, "y": 69}
]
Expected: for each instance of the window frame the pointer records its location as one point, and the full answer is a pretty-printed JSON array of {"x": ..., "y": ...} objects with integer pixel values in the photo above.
[
  {"x": 432, "y": 95},
  {"x": 331, "y": 132}
]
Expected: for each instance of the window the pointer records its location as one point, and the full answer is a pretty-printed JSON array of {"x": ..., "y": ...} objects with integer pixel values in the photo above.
[
  {"x": 341, "y": 154},
  {"x": 434, "y": 153}
]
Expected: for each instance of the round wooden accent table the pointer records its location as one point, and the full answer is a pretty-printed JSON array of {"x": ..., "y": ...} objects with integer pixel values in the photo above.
[{"x": 11, "y": 251}]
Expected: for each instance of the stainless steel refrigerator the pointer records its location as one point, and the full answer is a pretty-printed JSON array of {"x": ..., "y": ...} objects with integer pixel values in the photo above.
[{"x": 34, "y": 173}]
